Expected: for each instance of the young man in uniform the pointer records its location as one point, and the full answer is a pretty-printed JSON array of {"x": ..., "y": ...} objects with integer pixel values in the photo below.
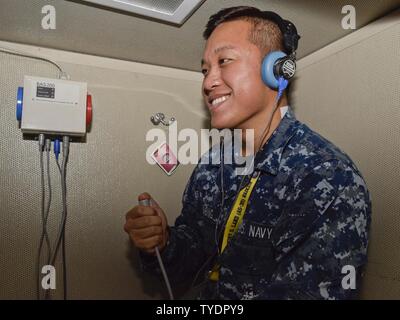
[{"x": 289, "y": 230}]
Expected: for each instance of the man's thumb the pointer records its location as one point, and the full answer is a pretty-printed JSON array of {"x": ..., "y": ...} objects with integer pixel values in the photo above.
[
  {"x": 147, "y": 196},
  {"x": 144, "y": 196}
]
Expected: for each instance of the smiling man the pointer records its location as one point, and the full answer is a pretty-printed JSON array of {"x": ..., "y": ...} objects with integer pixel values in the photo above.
[
  {"x": 291, "y": 228},
  {"x": 232, "y": 88}
]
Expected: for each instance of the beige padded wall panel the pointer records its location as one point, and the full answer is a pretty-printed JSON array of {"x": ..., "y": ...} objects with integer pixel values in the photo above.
[
  {"x": 352, "y": 97},
  {"x": 105, "y": 175},
  {"x": 19, "y": 184}
]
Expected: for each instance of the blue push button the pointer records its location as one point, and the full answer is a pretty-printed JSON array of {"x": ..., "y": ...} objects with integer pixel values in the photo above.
[{"x": 20, "y": 98}]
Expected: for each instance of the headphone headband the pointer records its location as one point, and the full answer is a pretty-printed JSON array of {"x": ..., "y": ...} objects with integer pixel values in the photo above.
[{"x": 288, "y": 29}]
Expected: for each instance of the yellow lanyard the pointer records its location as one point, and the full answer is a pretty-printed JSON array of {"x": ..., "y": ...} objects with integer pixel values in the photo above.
[{"x": 235, "y": 219}]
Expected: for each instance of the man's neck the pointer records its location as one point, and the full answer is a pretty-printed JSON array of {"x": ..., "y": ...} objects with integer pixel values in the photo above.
[{"x": 260, "y": 125}]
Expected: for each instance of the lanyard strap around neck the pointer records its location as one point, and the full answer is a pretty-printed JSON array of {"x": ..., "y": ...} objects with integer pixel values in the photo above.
[{"x": 235, "y": 219}]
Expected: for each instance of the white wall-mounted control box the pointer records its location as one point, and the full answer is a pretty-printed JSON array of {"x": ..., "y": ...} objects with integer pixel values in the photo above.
[{"x": 54, "y": 106}]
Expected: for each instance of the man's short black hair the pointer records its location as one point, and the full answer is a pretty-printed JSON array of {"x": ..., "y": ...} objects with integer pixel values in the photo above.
[{"x": 265, "y": 34}]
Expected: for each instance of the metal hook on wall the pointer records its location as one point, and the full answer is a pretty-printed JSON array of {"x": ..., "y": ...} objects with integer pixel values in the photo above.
[{"x": 160, "y": 118}]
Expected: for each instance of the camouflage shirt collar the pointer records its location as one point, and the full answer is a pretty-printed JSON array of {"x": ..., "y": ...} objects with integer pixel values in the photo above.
[{"x": 269, "y": 157}]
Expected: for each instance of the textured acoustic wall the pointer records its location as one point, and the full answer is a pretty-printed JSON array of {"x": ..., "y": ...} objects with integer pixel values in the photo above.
[
  {"x": 105, "y": 175},
  {"x": 352, "y": 97}
]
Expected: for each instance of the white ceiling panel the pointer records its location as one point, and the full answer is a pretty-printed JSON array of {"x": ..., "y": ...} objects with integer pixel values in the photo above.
[{"x": 89, "y": 28}]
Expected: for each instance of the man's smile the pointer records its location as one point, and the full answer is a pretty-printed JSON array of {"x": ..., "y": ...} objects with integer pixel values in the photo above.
[{"x": 215, "y": 102}]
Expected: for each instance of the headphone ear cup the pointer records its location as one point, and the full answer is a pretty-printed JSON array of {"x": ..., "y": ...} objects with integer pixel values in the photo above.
[{"x": 267, "y": 68}]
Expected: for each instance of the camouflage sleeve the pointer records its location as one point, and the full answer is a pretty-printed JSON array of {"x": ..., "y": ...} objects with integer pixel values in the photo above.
[
  {"x": 323, "y": 254},
  {"x": 183, "y": 254}
]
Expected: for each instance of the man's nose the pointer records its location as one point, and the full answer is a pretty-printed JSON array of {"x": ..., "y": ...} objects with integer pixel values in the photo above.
[{"x": 211, "y": 81}]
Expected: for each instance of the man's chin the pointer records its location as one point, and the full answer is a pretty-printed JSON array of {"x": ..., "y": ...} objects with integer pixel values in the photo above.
[{"x": 221, "y": 124}]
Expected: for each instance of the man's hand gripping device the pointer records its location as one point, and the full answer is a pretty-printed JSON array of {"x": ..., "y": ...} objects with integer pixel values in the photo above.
[{"x": 146, "y": 202}]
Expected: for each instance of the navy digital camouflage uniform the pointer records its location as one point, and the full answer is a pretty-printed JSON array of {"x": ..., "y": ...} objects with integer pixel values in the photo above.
[{"x": 308, "y": 217}]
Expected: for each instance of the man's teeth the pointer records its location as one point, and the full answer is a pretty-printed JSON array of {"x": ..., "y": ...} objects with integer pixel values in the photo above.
[{"x": 219, "y": 100}]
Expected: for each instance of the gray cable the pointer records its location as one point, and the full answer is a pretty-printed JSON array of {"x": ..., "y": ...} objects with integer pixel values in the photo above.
[
  {"x": 58, "y": 165},
  {"x": 61, "y": 231},
  {"x": 205, "y": 263},
  {"x": 61, "y": 227},
  {"x": 266, "y": 130},
  {"x": 222, "y": 159},
  {"x": 217, "y": 235},
  {"x": 66, "y": 142},
  {"x": 38, "y": 271},
  {"x": 48, "y": 147},
  {"x": 45, "y": 212},
  {"x": 63, "y": 249},
  {"x": 25, "y": 55},
  {"x": 146, "y": 202}
]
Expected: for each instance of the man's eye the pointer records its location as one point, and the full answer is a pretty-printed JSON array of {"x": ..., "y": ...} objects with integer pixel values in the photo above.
[
  {"x": 224, "y": 60},
  {"x": 204, "y": 71}
]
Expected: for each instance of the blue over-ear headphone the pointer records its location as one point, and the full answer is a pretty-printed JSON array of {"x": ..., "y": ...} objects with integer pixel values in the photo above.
[{"x": 278, "y": 64}]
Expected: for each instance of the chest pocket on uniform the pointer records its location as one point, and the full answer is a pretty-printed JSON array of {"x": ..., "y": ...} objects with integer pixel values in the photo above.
[{"x": 250, "y": 251}]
